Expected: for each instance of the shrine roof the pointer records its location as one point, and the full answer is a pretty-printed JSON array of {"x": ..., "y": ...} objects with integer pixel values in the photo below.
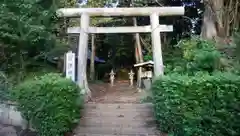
[
  {"x": 96, "y": 59},
  {"x": 148, "y": 63}
]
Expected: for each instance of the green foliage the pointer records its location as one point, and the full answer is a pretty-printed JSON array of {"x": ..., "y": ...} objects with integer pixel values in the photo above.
[
  {"x": 201, "y": 105},
  {"x": 147, "y": 57},
  {"x": 197, "y": 55},
  {"x": 29, "y": 30},
  {"x": 4, "y": 87},
  {"x": 50, "y": 102},
  {"x": 25, "y": 29},
  {"x": 96, "y": 3},
  {"x": 114, "y": 49},
  {"x": 173, "y": 61},
  {"x": 201, "y": 55}
]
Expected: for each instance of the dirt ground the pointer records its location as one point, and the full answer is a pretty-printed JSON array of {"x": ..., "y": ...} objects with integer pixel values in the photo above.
[{"x": 121, "y": 92}]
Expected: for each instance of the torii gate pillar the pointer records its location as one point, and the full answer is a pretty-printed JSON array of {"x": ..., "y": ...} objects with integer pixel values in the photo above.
[
  {"x": 156, "y": 45},
  {"x": 83, "y": 50}
]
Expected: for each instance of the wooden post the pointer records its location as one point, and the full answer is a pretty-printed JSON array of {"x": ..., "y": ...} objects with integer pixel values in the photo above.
[
  {"x": 156, "y": 45},
  {"x": 92, "y": 64},
  {"x": 82, "y": 51},
  {"x": 70, "y": 65},
  {"x": 121, "y": 29}
]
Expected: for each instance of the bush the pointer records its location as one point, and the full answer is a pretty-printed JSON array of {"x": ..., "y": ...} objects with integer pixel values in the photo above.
[
  {"x": 198, "y": 55},
  {"x": 201, "y": 105},
  {"x": 51, "y": 103}
]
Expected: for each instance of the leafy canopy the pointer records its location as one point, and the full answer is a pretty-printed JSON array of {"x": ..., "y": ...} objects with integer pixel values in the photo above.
[{"x": 29, "y": 29}]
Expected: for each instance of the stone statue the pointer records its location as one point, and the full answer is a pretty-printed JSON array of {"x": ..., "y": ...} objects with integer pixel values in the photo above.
[
  {"x": 112, "y": 77},
  {"x": 131, "y": 77}
]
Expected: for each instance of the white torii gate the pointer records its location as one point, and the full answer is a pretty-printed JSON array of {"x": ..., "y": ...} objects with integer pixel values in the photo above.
[{"x": 85, "y": 29}]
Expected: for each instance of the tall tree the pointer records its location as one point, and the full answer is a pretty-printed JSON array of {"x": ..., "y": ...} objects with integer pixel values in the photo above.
[
  {"x": 220, "y": 18},
  {"x": 212, "y": 19},
  {"x": 25, "y": 31},
  {"x": 29, "y": 29}
]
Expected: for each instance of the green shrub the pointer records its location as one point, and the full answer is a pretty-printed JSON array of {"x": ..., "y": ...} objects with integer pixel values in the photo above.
[
  {"x": 201, "y": 105},
  {"x": 147, "y": 57},
  {"x": 50, "y": 102},
  {"x": 199, "y": 55}
]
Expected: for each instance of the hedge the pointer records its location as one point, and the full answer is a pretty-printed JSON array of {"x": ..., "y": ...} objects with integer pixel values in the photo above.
[
  {"x": 51, "y": 103},
  {"x": 202, "y": 105}
]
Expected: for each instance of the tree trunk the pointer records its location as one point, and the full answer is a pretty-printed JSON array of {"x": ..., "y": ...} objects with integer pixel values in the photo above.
[
  {"x": 136, "y": 54},
  {"x": 139, "y": 53},
  {"x": 228, "y": 18},
  {"x": 138, "y": 49},
  {"x": 218, "y": 10},
  {"x": 236, "y": 21},
  {"x": 209, "y": 30},
  {"x": 137, "y": 41},
  {"x": 212, "y": 27},
  {"x": 92, "y": 64}
]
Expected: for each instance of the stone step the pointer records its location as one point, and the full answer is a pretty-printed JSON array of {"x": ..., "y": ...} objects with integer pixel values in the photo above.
[
  {"x": 113, "y": 135},
  {"x": 121, "y": 87},
  {"x": 123, "y": 111},
  {"x": 116, "y": 85},
  {"x": 127, "y": 83},
  {"x": 118, "y": 101},
  {"x": 109, "y": 106},
  {"x": 117, "y": 113},
  {"x": 120, "y": 119},
  {"x": 116, "y": 131},
  {"x": 117, "y": 123}
]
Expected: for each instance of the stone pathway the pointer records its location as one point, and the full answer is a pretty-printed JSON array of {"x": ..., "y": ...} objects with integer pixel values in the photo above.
[
  {"x": 117, "y": 111},
  {"x": 8, "y": 131},
  {"x": 121, "y": 92},
  {"x": 117, "y": 120}
]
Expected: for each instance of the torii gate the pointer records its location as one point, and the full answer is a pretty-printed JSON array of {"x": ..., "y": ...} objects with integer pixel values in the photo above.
[{"x": 85, "y": 29}]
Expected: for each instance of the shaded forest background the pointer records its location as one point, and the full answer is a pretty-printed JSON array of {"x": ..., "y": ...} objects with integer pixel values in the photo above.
[{"x": 33, "y": 40}]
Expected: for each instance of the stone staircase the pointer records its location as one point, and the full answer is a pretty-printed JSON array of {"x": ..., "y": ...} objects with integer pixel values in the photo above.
[{"x": 119, "y": 119}]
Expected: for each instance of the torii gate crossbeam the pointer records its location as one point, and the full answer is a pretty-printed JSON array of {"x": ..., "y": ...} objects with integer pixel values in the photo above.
[{"x": 143, "y": 11}]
